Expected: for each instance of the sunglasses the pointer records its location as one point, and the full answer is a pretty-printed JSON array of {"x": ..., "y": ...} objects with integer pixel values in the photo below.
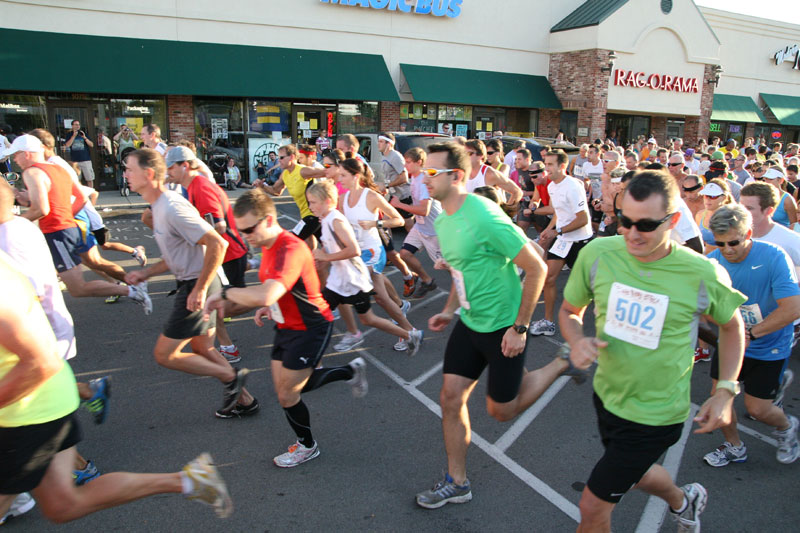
[
  {"x": 609, "y": 160},
  {"x": 732, "y": 244},
  {"x": 282, "y": 156},
  {"x": 251, "y": 229},
  {"x": 675, "y": 164},
  {"x": 645, "y": 225},
  {"x": 433, "y": 172},
  {"x": 712, "y": 197},
  {"x": 490, "y": 152},
  {"x": 329, "y": 165}
]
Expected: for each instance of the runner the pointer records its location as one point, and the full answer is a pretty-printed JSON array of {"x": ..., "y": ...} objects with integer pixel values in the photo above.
[
  {"x": 483, "y": 247},
  {"x": 193, "y": 251},
  {"x": 483, "y": 175},
  {"x": 764, "y": 273},
  {"x": 570, "y": 227},
  {"x": 38, "y": 429},
  {"x": 648, "y": 293},
  {"x": 289, "y": 294},
  {"x": 212, "y": 204},
  {"x": 49, "y": 194}
]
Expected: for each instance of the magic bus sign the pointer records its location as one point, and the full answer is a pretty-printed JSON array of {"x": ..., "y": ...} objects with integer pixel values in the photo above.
[{"x": 660, "y": 82}]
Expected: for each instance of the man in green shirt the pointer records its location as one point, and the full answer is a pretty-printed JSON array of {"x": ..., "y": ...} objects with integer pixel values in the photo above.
[
  {"x": 649, "y": 295},
  {"x": 482, "y": 248}
]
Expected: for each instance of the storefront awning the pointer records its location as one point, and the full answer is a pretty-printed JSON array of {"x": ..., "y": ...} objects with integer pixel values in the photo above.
[
  {"x": 785, "y": 108},
  {"x": 59, "y": 62},
  {"x": 479, "y": 87},
  {"x": 734, "y": 108}
]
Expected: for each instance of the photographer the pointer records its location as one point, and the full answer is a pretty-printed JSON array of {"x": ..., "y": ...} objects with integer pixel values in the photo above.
[{"x": 79, "y": 146}]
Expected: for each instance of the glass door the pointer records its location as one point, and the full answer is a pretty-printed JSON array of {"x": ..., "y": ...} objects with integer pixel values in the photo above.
[
  {"x": 61, "y": 118},
  {"x": 310, "y": 123}
]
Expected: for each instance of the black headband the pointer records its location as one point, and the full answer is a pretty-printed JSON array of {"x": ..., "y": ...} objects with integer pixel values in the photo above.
[{"x": 690, "y": 189}]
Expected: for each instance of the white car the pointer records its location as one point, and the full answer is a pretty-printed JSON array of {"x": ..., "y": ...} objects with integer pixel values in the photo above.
[{"x": 368, "y": 145}]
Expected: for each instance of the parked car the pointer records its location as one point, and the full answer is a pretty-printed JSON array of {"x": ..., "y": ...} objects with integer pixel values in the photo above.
[
  {"x": 535, "y": 145},
  {"x": 404, "y": 140}
]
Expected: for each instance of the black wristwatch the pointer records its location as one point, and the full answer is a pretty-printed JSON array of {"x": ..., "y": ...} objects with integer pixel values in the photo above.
[
  {"x": 225, "y": 292},
  {"x": 750, "y": 335},
  {"x": 520, "y": 328},
  {"x": 379, "y": 224}
]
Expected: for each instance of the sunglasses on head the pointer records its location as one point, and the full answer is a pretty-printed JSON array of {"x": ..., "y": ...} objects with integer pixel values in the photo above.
[
  {"x": 251, "y": 229},
  {"x": 645, "y": 225},
  {"x": 732, "y": 244},
  {"x": 433, "y": 172}
]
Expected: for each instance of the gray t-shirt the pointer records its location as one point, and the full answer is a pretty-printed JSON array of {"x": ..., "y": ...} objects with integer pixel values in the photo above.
[
  {"x": 392, "y": 166},
  {"x": 177, "y": 227},
  {"x": 741, "y": 176}
]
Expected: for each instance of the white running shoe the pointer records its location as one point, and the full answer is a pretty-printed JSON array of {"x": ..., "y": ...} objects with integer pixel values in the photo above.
[
  {"x": 23, "y": 503},
  {"x": 359, "y": 379},
  {"x": 542, "y": 327},
  {"x": 139, "y": 255},
  {"x": 788, "y": 447},
  {"x": 414, "y": 341},
  {"x": 208, "y": 486},
  {"x": 689, "y": 519},
  {"x": 138, "y": 293},
  {"x": 297, "y": 454},
  {"x": 348, "y": 342},
  {"x": 401, "y": 345}
]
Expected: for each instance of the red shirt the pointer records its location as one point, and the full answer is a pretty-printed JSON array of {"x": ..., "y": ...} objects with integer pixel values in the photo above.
[
  {"x": 209, "y": 198},
  {"x": 62, "y": 188},
  {"x": 289, "y": 262},
  {"x": 543, "y": 194}
]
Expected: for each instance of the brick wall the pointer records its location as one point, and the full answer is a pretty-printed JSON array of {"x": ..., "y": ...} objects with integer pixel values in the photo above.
[
  {"x": 658, "y": 128},
  {"x": 180, "y": 110},
  {"x": 696, "y": 128},
  {"x": 390, "y": 116},
  {"x": 549, "y": 121},
  {"x": 580, "y": 85}
]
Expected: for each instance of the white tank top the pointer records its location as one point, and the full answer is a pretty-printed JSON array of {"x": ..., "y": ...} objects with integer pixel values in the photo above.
[
  {"x": 368, "y": 239},
  {"x": 479, "y": 180},
  {"x": 347, "y": 276}
]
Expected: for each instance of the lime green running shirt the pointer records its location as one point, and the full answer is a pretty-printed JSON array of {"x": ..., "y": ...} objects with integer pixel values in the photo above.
[
  {"x": 648, "y": 313},
  {"x": 479, "y": 242}
]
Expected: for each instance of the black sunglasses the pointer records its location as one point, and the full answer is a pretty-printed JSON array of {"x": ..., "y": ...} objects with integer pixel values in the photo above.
[
  {"x": 722, "y": 244},
  {"x": 251, "y": 229},
  {"x": 490, "y": 153},
  {"x": 645, "y": 225},
  {"x": 676, "y": 164}
]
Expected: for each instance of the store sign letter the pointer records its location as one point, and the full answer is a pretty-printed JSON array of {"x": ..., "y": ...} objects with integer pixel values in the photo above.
[
  {"x": 785, "y": 54},
  {"x": 437, "y": 8},
  {"x": 665, "y": 82}
]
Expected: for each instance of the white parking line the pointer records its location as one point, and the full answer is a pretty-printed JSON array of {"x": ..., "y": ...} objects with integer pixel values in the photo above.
[
  {"x": 524, "y": 420},
  {"x": 427, "y": 374}
]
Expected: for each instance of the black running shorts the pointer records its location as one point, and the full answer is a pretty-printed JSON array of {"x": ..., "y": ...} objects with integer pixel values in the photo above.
[
  {"x": 101, "y": 235},
  {"x": 235, "y": 270},
  {"x": 630, "y": 450},
  {"x": 26, "y": 451},
  {"x": 300, "y": 349},
  {"x": 469, "y": 352},
  {"x": 760, "y": 379},
  {"x": 572, "y": 255},
  {"x": 360, "y": 301},
  {"x": 184, "y": 324},
  {"x": 311, "y": 227}
]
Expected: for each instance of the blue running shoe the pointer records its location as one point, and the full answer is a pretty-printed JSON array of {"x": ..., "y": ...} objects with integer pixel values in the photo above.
[
  {"x": 98, "y": 403},
  {"x": 89, "y": 472}
]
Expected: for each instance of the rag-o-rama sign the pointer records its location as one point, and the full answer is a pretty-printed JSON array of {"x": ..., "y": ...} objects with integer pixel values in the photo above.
[
  {"x": 661, "y": 82},
  {"x": 437, "y": 8}
]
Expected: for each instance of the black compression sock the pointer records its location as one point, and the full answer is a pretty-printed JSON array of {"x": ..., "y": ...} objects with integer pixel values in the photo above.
[
  {"x": 300, "y": 420},
  {"x": 323, "y": 376}
]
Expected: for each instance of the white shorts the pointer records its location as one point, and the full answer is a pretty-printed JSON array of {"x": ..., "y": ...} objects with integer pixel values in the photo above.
[
  {"x": 87, "y": 171},
  {"x": 416, "y": 240}
]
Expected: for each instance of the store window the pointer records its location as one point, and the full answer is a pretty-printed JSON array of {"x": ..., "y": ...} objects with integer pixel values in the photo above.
[
  {"x": 357, "y": 118},
  {"x": 418, "y": 117},
  {"x": 219, "y": 125},
  {"x": 269, "y": 128},
  {"x": 455, "y": 120},
  {"x": 21, "y": 113},
  {"x": 675, "y": 127},
  {"x": 521, "y": 122}
]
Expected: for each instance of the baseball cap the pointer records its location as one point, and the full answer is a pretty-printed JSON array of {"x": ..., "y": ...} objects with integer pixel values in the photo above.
[
  {"x": 718, "y": 154},
  {"x": 178, "y": 154},
  {"x": 24, "y": 143},
  {"x": 773, "y": 173},
  {"x": 689, "y": 152},
  {"x": 651, "y": 140},
  {"x": 616, "y": 175},
  {"x": 712, "y": 189}
]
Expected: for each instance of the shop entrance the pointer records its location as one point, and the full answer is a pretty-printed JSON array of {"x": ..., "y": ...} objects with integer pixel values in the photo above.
[
  {"x": 311, "y": 122},
  {"x": 626, "y": 128},
  {"x": 60, "y": 117},
  {"x": 488, "y": 121}
]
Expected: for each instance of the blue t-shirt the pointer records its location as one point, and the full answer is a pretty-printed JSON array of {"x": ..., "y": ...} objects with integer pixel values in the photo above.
[
  {"x": 765, "y": 276},
  {"x": 79, "y": 150}
]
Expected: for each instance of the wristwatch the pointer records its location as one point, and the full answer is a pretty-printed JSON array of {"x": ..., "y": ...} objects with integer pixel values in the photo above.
[
  {"x": 379, "y": 224},
  {"x": 558, "y": 230},
  {"x": 224, "y": 293},
  {"x": 731, "y": 386},
  {"x": 750, "y": 335},
  {"x": 520, "y": 328}
]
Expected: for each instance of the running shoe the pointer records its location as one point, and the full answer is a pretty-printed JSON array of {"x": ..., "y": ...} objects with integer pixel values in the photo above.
[
  {"x": 98, "y": 403},
  {"x": 578, "y": 375},
  {"x": 114, "y": 298},
  {"x": 726, "y": 454},
  {"x": 410, "y": 285},
  {"x": 239, "y": 410},
  {"x": 788, "y": 377},
  {"x": 207, "y": 485},
  {"x": 138, "y": 293},
  {"x": 444, "y": 492},
  {"x": 23, "y": 503},
  {"x": 401, "y": 345},
  {"x": 233, "y": 389},
  {"x": 359, "y": 379},
  {"x": 702, "y": 354},
  {"x": 405, "y": 307},
  {"x": 788, "y": 447},
  {"x": 88, "y": 473},
  {"x": 423, "y": 289},
  {"x": 297, "y": 454},
  {"x": 542, "y": 327},
  {"x": 139, "y": 255},
  {"x": 696, "y": 497},
  {"x": 348, "y": 342},
  {"x": 414, "y": 341},
  {"x": 231, "y": 355}
]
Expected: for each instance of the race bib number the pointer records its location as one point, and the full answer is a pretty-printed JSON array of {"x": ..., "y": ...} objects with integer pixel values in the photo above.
[
  {"x": 299, "y": 227},
  {"x": 275, "y": 313},
  {"x": 461, "y": 288},
  {"x": 561, "y": 247},
  {"x": 751, "y": 314},
  {"x": 635, "y": 316}
]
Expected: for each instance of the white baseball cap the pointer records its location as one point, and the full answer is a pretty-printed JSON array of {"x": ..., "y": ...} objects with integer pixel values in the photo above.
[
  {"x": 712, "y": 189},
  {"x": 651, "y": 140},
  {"x": 24, "y": 143},
  {"x": 773, "y": 173}
]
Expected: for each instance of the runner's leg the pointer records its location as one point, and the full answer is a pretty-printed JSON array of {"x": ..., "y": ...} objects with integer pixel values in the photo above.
[
  {"x": 78, "y": 287},
  {"x": 453, "y": 399}
]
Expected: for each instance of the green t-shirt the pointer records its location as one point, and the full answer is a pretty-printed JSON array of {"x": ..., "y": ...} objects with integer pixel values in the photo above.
[
  {"x": 648, "y": 313},
  {"x": 479, "y": 242}
]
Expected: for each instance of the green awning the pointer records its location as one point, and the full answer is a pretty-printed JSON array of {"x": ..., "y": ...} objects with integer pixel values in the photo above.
[
  {"x": 479, "y": 87},
  {"x": 60, "y": 62},
  {"x": 785, "y": 108},
  {"x": 733, "y": 108}
]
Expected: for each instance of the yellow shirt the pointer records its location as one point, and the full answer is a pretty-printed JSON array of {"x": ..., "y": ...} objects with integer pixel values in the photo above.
[
  {"x": 58, "y": 396},
  {"x": 297, "y": 188},
  {"x": 734, "y": 153}
]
